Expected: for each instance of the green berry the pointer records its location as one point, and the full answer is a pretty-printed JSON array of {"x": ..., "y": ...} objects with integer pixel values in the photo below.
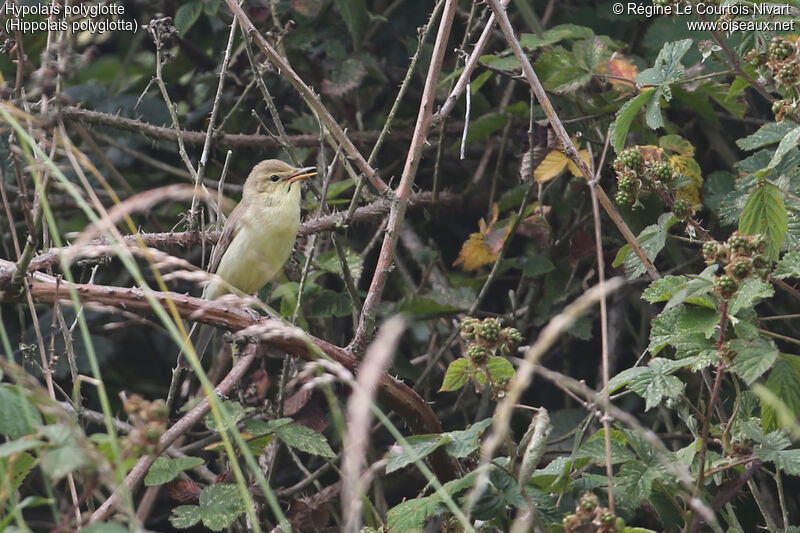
[
  {"x": 625, "y": 199},
  {"x": 625, "y": 183},
  {"x": 739, "y": 243},
  {"x": 663, "y": 172},
  {"x": 760, "y": 261},
  {"x": 710, "y": 251},
  {"x": 479, "y": 355},
  {"x": 741, "y": 268},
  {"x": 607, "y": 518},
  {"x": 589, "y": 501},
  {"x": 777, "y": 105},
  {"x": 682, "y": 208},
  {"x": 726, "y": 286},
  {"x": 631, "y": 158},
  {"x": 489, "y": 330},
  {"x": 788, "y": 74},
  {"x": 780, "y": 49}
]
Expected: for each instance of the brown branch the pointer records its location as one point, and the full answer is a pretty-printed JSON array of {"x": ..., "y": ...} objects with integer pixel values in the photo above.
[
  {"x": 396, "y": 395},
  {"x": 76, "y": 114},
  {"x": 569, "y": 147},
  {"x": 367, "y": 319},
  {"x": 186, "y": 238}
]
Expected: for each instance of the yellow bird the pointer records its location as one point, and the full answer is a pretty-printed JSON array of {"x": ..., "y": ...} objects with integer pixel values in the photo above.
[{"x": 259, "y": 235}]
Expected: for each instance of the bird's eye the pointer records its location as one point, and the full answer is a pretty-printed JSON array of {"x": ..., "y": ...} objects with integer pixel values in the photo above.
[{"x": 274, "y": 178}]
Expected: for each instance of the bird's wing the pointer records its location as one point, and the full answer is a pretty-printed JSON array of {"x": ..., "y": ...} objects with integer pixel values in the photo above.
[{"x": 232, "y": 226}]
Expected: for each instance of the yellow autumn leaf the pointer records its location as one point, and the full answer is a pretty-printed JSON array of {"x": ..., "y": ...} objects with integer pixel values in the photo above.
[
  {"x": 551, "y": 166},
  {"x": 689, "y": 168},
  {"x": 483, "y": 247},
  {"x": 554, "y": 164}
]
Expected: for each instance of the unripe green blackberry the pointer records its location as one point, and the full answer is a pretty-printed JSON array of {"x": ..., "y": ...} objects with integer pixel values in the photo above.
[
  {"x": 625, "y": 199},
  {"x": 780, "y": 48},
  {"x": 489, "y": 330},
  {"x": 468, "y": 327},
  {"x": 589, "y": 501},
  {"x": 739, "y": 243},
  {"x": 788, "y": 74},
  {"x": 625, "y": 183},
  {"x": 663, "y": 171},
  {"x": 710, "y": 251},
  {"x": 512, "y": 335},
  {"x": 478, "y": 354},
  {"x": 741, "y": 268},
  {"x": 682, "y": 208},
  {"x": 608, "y": 517},
  {"x": 631, "y": 158},
  {"x": 777, "y": 105},
  {"x": 726, "y": 286}
]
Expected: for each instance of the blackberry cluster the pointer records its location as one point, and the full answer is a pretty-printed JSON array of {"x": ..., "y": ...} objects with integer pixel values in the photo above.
[
  {"x": 742, "y": 256},
  {"x": 636, "y": 176},
  {"x": 682, "y": 209},
  {"x": 486, "y": 338},
  {"x": 780, "y": 49},
  {"x": 590, "y": 516},
  {"x": 663, "y": 172}
]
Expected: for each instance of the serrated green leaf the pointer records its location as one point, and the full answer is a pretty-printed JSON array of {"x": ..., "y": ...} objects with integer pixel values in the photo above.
[
  {"x": 752, "y": 358},
  {"x": 765, "y": 213},
  {"x": 652, "y": 240},
  {"x": 66, "y": 455},
  {"x": 784, "y": 383},
  {"x": 23, "y": 463},
  {"x": 662, "y": 289},
  {"x": 220, "y": 505},
  {"x": 305, "y": 439},
  {"x": 698, "y": 320},
  {"x": 501, "y": 370},
  {"x": 749, "y": 294},
  {"x": 769, "y": 133},
  {"x": 667, "y": 67},
  {"x": 595, "y": 448},
  {"x": 355, "y": 15},
  {"x": 457, "y": 375},
  {"x": 329, "y": 262},
  {"x": 788, "y": 266},
  {"x": 234, "y": 412},
  {"x": 717, "y": 186},
  {"x": 420, "y": 446},
  {"x": 624, "y": 118},
  {"x": 653, "y": 113},
  {"x": 14, "y": 447},
  {"x": 464, "y": 442},
  {"x": 486, "y": 125},
  {"x": 411, "y": 514},
  {"x": 187, "y": 15},
  {"x": 165, "y": 470},
  {"x": 694, "y": 289},
  {"x": 655, "y": 383},
  {"x": 788, "y": 143},
  {"x": 185, "y": 516},
  {"x": 536, "y": 265},
  {"x": 18, "y": 417}
]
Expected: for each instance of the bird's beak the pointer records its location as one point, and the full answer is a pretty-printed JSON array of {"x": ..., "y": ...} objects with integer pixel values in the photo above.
[{"x": 301, "y": 174}]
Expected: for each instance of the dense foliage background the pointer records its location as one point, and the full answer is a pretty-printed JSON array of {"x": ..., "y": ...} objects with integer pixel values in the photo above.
[{"x": 567, "y": 291}]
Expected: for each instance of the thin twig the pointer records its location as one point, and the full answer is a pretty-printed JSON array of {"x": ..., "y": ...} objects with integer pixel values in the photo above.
[{"x": 400, "y": 203}]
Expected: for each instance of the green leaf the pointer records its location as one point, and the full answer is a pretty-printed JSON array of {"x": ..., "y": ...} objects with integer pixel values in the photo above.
[
  {"x": 185, "y": 516},
  {"x": 668, "y": 67},
  {"x": 765, "y": 212},
  {"x": 18, "y": 416},
  {"x": 624, "y": 118},
  {"x": 233, "y": 413},
  {"x": 752, "y": 358},
  {"x": 655, "y": 383},
  {"x": 554, "y": 35},
  {"x": 354, "y": 13},
  {"x": 595, "y": 448},
  {"x": 329, "y": 262},
  {"x": 419, "y": 446},
  {"x": 23, "y": 463},
  {"x": 694, "y": 290},
  {"x": 412, "y": 514},
  {"x": 788, "y": 266},
  {"x": 784, "y": 383},
  {"x": 559, "y": 71},
  {"x": 749, "y": 294},
  {"x": 589, "y": 52},
  {"x": 486, "y": 125},
  {"x": 66, "y": 455},
  {"x": 331, "y": 303},
  {"x": 165, "y": 470},
  {"x": 666, "y": 331},
  {"x": 305, "y": 439},
  {"x": 501, "y": 370},
  {"x": 652, "y": 239},
  {"x": 457, "y": 375},
  {"x": 220, "y": 505},
  {"x": 465, "y": 442},
  {"x": 676, "y": 143},
  {"x": 787, "y": 143},
  {"x": 421, "y": 307},
  {"x": 698, "y": 320},
  {"x": 769, "y": 133},
  {"x": 14, "y": 447},
  {"x": 662, "y": 289},
  {"x": 653, "y": 113},
  {"x": 187, "y": 15},
  {"x": 717, "y": 186},
  {"x": 536, "y": 265}
]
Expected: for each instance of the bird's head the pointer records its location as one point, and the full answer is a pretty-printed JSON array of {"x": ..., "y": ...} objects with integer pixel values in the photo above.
[{"x": 274, "y": 181}]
